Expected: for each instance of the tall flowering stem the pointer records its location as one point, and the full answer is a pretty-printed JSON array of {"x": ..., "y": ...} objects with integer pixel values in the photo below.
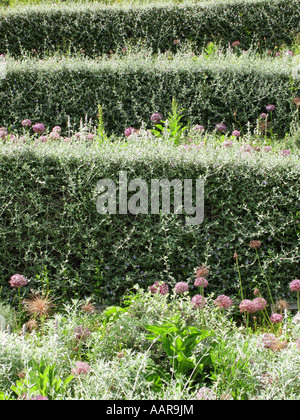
[{"x": 266, "y": 280}]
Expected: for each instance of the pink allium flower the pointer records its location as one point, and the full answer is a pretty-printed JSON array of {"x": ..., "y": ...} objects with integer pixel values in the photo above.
[
  {"x": 129, "y": 131},
  {"x": 295, "y": 285},
  {"x": 90, "y": 136},
  {"x": 17, "y": 280},
  {"x": 81, "y": 368},
  {"x": 198, "y": 301},
  {"x": 269, "y": 340},
  {"x": 57, "y": 128},
  {"x": 44, "y": 139},
  {"x": 201, "y": 282},
  {"x": 236, "y": 133},
  {"x": 275, "y": 318},
  {"x": 223, "y": 301},
  {"x": 54, "y": 135},
  {"x": 156, "y": 118},
  {"x": 26, "y": 123},
  {"x": 198, "y": 128},
  {"x": 228, "y": 143},
  {"x": 263, "y": 115},
  {"x": 270, "y": 108},
  {"x": 205, "y": 394},
  {"x": 181, "y": 287},
  {"x": 247, "y": 148},
  {"x": 220, "y": 127},
  {"x": 268, "y": 148},
  {"x": 259, "y": 304},
  {"x": 247, "y": 306},
  {"x": 159, "y": 287},
  {"x": 285, "y": 152},
  {"x": 38, "y": 128}
]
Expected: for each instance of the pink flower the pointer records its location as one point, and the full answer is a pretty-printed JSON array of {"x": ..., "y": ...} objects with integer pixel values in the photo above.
[
  {"x": 205, "y": 394},
  {"x": 26, "y": 123},
  {"x": 156, "y": 118},
  {"x": 263, "y": 115},
  {"x": 90, "y": 136},
  {"x": 159, "y": 287},
  {"x": 228, "y": 143},
  {"x": 198, "y": 301},
  {"x": 236, "y": 133},
  {"x": 17, "y": 280},
  {"x": 275, "y": 318},
  {"x": 198, "y": 128},
  {"x": 38, "y": 128},
  {"x": 201, "y": 282},
  {"x": 129, "y": 131},
  {"x": 259, "y": 304},
  {"x": 39, "y": 397},
  {"x": 57, "y": 128},
  {"x": 220, "y": 127},
  {"x": 54, "y": 135},
  {"x": 181, "y": 287},
  {"x": 44, "y": 139},
  {"x": 223, "y": 301},
  {"x": 269, "y": 340},
  {"x": 81, "y": 368},
  {"x": 295, "y": 285},
  {"x": 247, "y": 306},
  {"x": 268, "y": 148},
  {"x": 270, "y": 108},
  {"x": 285, "y": 152},
  {"x": 298, "y": 343}
]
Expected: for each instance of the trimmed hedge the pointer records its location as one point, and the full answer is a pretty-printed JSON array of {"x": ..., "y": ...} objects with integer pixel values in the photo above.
[
  {"x": 97, "y": 29},
  {"x": 50, "y": 226},
  {"x": 229, "y": 89}
]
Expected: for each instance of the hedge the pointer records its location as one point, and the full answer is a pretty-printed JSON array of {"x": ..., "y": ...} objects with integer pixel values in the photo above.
[
  {"x": 222, "y": 88},
  {"x": 97, "y": 29},
  {"x": 52, "y": 233}
]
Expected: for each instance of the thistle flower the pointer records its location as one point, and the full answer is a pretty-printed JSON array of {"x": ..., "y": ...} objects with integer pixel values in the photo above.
[
  {"x": 295, "y": 285},
  {"x": 255, "y": 244},
  {"x": 276, "y": 318},
  {"x": 17, "y": 280},
  {"x": 223, "y": 301},
  {"x": 181, "y": 287},
  {"x": 159, "y": 287},
  {"x": 81, "y": 368},
  {"x": 201, "y": 282},
  {"x": 38, "y": 305},
  {"x": 198, "y": 301}
]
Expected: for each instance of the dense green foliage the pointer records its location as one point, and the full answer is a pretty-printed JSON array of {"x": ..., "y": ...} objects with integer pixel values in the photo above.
[
  {"x": 98, "y": 28},
  {"x": 50, "y": 224},
  {"x": 213, "y": 89}
]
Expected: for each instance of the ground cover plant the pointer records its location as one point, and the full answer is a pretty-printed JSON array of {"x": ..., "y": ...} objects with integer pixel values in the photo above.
[{"x": 103, "y": 299}]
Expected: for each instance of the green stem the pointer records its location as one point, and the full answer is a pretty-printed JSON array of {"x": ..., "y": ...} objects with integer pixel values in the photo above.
[{"x": 265, "y": 278}]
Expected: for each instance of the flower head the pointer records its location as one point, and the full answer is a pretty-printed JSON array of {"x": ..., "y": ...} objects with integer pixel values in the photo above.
[
  {"x": 201, "y": 282},
  {"x": 285, "y": 152},
  {"x": 275, "y": 318},
  {"x": 81, "y": 333},
  {"x": 259, "y": 304},
  {"x": 295, "y": 285},
  {"x": 263, "y": 115},
  {"x": 236, "y": 133},
  {"x": 38, "y": 305},
  {"x": 205, "y": 394},
  {"x": 220, "y": 127},
  {"x": 26, "y": 123},
  {"x": 270, "y": 108},
  {"x": 247, "y": 306},
  {"x": 159, "y": 287},
  {"x": 198, "y": 128},
  {"x": 198, "y": 301},
  {"x": 57, "y": 128},
  {"x": 202, "y": 271},
  {"x": 268, "y": 148},
  {"x": 236, "y": 43},
  {"x": 38, "y": 128},
  {"x": 181, "y": 287},
  {"x": 223, "y": 301},
  {"x": 255, "y": 244},
  {"x": 129, "y": 131},
  {"x": 156, "y": 117},
  {"x": 81, "y": 368},
  {"x": 17, "y": 280}
]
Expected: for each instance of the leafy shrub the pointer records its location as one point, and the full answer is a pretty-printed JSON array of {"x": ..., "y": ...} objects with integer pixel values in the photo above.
[{"x": 49, "y": 218}]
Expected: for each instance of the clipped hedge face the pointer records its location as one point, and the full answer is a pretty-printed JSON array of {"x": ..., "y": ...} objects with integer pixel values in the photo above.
[
  {"x": 228, "y": 89},
  {"x": 98, "y": 29},
  {"x": 49, "y": 220}
]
